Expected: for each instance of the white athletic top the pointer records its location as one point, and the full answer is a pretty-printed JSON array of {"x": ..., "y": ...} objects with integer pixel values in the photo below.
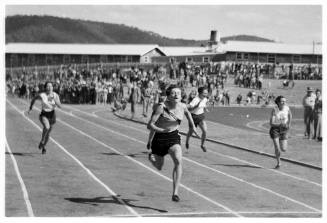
[
  {"x": 281, "y": 116},
  {"x": 48, "y": 102},
  {"x": 200, "y": 109}
]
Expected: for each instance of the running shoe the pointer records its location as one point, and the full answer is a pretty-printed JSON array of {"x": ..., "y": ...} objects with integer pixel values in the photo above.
[
  {"x": 40, "y": 146},
  {"x": 44, "y": 151},
  {"x": 187, "y": 145},
  {"x": 175, "y": 198},
  {"x": 204, "y": 148}
]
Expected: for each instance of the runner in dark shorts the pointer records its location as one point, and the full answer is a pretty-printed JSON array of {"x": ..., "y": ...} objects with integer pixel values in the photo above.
[
  {"x": 165, "y": 122},
  {"x": 197, "y": 119},
  {"x": 197, "y": 108},
  {"x": 49, "y": 100},
  {"x": 280, "y": 122},
  {"x": 163, "y": 141},
  {"x": 51, "y": 116},
  {"x": 278, "y": 132}
]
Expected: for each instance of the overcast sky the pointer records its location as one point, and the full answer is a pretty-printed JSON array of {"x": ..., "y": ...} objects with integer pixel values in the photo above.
[{"x": 285, "y": 23}]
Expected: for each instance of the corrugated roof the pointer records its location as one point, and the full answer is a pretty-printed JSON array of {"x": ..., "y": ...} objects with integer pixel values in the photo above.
[
  {"x": 268, "y": 47},
  {"x": 90, "y": 49}
]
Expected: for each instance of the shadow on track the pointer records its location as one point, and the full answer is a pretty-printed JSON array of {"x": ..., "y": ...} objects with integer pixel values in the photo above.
[
  {"x": 141, "y": 154},
  {"x": 21, "y": 154},
  {"x": 238, "y": 165},
  {"x": 110, "y": 200},
  {"x": 111, "y": 154}
]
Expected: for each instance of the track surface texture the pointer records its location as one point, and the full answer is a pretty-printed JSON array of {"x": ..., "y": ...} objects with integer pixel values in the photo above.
[{"x": 96, "y": 166}]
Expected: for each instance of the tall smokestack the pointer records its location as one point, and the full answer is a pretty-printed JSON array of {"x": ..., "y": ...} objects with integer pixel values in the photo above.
[
  {"x": 213, "y": 37},
  {"x": 212, "y": 43}
]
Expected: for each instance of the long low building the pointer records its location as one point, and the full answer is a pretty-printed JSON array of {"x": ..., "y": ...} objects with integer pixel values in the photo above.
[
  {"x": 31, "y": 54},
  {"x": 40, "y": 54},
  {"x": 245, "y": 51}
]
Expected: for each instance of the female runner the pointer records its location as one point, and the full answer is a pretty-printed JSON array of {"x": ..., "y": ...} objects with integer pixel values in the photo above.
[
  {"x": 280, "y": 122},
  {"x": 165, "y": 121},
  {"x": 49, "y": 100}
]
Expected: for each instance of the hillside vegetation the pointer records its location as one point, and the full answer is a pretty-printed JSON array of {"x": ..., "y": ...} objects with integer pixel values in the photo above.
[{"x": 50, "y": 29}]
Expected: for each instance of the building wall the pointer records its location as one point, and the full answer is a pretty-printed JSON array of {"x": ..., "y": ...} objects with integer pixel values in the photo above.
[
  {"x": 187, "y": 58},
  {"x": 154, "y": 56},
  {"x": 273, "y": 58},
  {"x": 26, "y": 60}
]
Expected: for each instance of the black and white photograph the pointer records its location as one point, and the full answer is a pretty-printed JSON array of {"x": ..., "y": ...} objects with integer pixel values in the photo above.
[{"x": 166, "y": 111}]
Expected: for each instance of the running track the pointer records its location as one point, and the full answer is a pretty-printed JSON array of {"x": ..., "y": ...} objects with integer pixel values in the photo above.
[{"x": 96, "y": 165}]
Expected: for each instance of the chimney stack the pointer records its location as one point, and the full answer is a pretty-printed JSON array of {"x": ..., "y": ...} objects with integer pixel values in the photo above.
[
  {"x": 213, "y": 37},
  {"x": 214, "y": 40}
]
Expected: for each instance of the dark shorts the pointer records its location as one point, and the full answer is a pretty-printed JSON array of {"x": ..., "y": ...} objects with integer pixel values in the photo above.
[
  {"x": 162, "y": 142},
  {"x": 197, "y": 119},
  {"x": 51, "y": 116},
  {"x": 278, "y": 132}
]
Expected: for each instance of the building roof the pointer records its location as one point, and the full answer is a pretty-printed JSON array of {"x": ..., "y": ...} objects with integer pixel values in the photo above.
[
  {"x": 185, "y": 51},
  {"x": 90, "y": 49},
  {"x": 271, "y": 47},
  {"x": 142, "y": 49}
]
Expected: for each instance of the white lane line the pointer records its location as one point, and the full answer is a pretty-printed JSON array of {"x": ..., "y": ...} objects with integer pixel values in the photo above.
[
  {"x": 214, "y": 170},
  {"x": 153, "y": 171},
  {"x": 255, "y": 185},
  {"x": 257, "y": 125},
  {"x": 133, "y": 160},
  {"x": 217, "y": 171},
  {"x": 281, "y": 214},
  {"x": 22, "y": 184},
  {"x": 233, "y": 128},
  {"x": 257, "y": 165},
  {"x": 96, "y": 111},
  {"x": 231, "y": 157},
  {"x": 80, "y": 163},
  {"x": 234, "y": 158},
  {"x": 90, "y": 114}
]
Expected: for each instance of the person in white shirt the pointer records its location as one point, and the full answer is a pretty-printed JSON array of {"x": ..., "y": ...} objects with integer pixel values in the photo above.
[
  {"x": 49, "y": 100},
  {"x": 280, "y": 122},
  {"x": 197, "y": 107}
]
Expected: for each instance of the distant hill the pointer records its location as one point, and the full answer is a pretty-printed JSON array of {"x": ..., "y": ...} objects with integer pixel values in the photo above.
[{"x": 50, "y": 29}]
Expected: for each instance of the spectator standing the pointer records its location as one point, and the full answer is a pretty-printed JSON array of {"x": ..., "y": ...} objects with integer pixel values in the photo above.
[
  {"x": 134, "y": 97},
  {"x": 105, "y": 94},
  {"x": 146, "y": 97},
  {"x": 110, "y": 93},
  {"x": 308, "y": 104},
  {"x": 318, "y": 116},
  {"x": 239, "y": 99}
]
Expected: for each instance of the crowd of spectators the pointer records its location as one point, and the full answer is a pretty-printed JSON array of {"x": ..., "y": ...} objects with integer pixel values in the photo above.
[{"x": 134, "y": 85}]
